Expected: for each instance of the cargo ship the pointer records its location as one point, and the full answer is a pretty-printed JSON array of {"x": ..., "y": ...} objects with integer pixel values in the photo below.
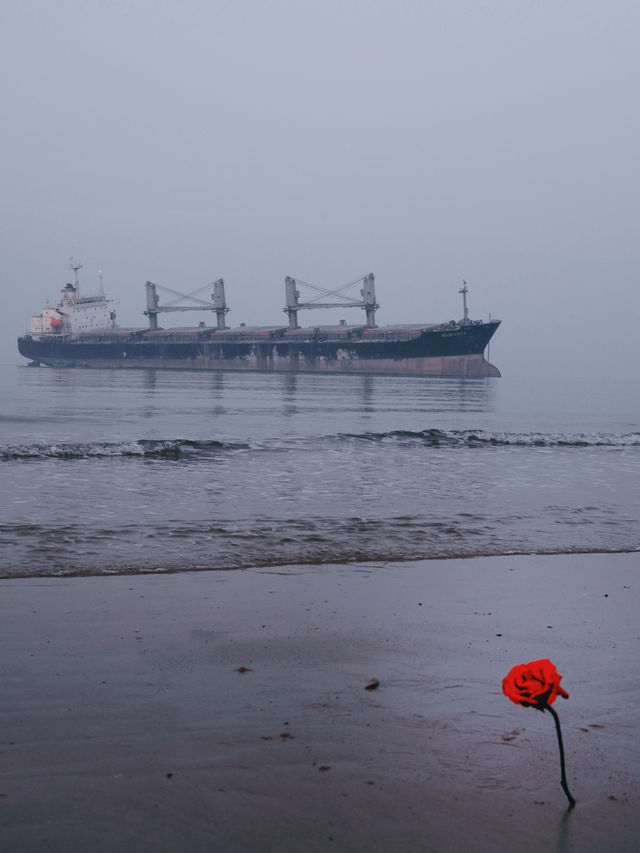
[{"x": 81, "y": 331}]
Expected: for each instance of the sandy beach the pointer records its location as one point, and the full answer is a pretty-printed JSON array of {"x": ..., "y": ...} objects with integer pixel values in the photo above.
[{"x": 227, "y": 711}]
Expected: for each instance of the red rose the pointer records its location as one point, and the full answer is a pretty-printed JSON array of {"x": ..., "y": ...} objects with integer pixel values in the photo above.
[{"x": 535, "y": 684}]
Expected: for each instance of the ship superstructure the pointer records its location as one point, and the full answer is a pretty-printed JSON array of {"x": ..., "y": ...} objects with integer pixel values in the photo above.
[{"x": 75, "y": 314}]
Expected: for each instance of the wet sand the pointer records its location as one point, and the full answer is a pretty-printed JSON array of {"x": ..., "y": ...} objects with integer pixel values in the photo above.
[{"x": 127, "y": 725}]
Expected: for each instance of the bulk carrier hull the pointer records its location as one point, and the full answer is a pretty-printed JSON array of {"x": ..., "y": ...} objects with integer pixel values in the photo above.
[
  {"x": 81, "y": 331},
  {"x": 450, "y": 350}
]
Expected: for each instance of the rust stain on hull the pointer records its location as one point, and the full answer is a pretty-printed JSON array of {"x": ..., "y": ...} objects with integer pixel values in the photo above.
[
  {"x": 448, "y": 350},
  {"x": 447, "y": 366}
]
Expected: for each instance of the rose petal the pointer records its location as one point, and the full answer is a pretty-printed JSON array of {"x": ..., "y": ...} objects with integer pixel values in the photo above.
[{"x": 534, "y": 684}]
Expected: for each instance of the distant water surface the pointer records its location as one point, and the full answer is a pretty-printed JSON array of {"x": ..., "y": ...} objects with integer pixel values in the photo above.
[{"x": 127, "y": 471}]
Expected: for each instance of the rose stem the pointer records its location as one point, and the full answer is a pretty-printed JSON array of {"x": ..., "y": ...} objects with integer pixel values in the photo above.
[{"x": 563, "y": 780}]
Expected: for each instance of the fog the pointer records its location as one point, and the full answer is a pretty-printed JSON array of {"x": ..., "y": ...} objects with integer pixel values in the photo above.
[{"x": 427, "y": 142}]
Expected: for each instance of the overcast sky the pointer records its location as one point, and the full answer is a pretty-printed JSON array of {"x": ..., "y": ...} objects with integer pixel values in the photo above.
[{"x": 425, "y": 141}]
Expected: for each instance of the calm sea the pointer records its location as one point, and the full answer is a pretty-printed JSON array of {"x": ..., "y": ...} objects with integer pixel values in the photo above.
[{"x": 136, "y": 471}]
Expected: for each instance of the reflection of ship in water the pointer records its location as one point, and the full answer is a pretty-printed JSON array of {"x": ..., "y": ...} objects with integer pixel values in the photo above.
[
  {"x": 290, "y": 407},
  {"x": 82, "y": 332}
]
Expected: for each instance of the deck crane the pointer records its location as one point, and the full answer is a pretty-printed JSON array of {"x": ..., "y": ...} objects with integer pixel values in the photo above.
[
  {"x": 368, "y": 302},
  {"x": 218, "y": 303}
]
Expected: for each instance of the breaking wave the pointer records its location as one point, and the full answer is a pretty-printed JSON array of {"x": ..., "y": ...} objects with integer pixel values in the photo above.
[
  {"x": 186, "y": 449},
  {"x": 142, "y": 448},
  {"x": 480, "y": 438}
]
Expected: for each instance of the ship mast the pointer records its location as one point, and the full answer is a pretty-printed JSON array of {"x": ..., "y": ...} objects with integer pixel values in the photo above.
[
  {"x": 75, "y": 266},
  {"x": 465, "y": 311}
]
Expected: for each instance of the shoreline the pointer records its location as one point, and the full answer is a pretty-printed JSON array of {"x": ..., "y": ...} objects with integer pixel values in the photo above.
[
  {"x": 128, "y": 724},
  {"x": 310, "y": 565}
]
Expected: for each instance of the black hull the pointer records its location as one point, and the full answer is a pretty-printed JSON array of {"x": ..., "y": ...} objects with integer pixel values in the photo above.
[{"x": 456, "y": 350}]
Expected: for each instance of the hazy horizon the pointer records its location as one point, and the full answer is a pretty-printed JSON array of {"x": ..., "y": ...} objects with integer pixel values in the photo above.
[{"x": 426, "y": 142}]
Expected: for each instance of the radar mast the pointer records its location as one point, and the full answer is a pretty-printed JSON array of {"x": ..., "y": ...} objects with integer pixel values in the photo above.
[{"x": 75, "y": 266}]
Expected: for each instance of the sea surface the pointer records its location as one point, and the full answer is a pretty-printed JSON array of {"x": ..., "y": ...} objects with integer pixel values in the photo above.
[{"x": 153, "y": 471}]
